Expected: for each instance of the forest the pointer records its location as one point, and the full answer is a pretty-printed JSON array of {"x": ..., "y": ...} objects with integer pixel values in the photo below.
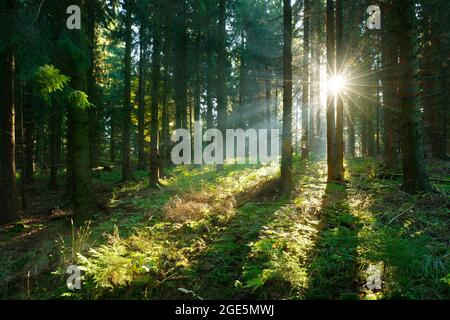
[{"x": 224, "y": 149}]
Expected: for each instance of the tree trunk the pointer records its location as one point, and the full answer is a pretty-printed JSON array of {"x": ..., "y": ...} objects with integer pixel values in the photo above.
[
  {"x": 371, "y": 111},
  {"x": 180, "y": 70},
  {"x": 79, "y": 167},
  {"x": 333, "y": 172},
  {"x": 29, "y": 121},
  {"x": 351, "y": 130},
  {"x": 434, "y": 108},
  {"x": 242, "y": 84},
  {"x": 112, "y": 138},
  {"x": 141, "y": 94},
  {"x": 165, "y": 135},
  {"x": 318, "y": 102},
  {"x": 389, "y": 83},
  {"x": 305, "y": 95},
  {"x": 21, "y": 154},
  {"x": 197, "y": 86},
  {"x": 287, "y": 150},
  {"x": 53, "y": 183},
  {"x": 8, "y": 188},
  {"x": 92, "y": 90},
  {"x": 221, "y": 90},
  {"x": 340, "y": 56},
  {"x": 156, "y": 69},
  {"x": 415, "y": 175},
  {"x": 268, "y": 87},
  {"x": 209, "y": 89},
  {"x": 40, "y": 136},
  {"x": 126, "y": 138}
]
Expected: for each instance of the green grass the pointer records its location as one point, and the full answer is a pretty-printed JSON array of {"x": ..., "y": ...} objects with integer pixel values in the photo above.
[{"x": 230, "y": 235}]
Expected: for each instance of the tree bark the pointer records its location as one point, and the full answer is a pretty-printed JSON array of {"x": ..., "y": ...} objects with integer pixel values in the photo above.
[
  {"x": 165, "y": 135},
  {"x": 54, "y": 135},
  {"x": 141, "y": 94},
  {"x": 221, "y": 89},
  {"x": 112, "y": 138},
  {"x": 180, "y": 68},
  {"x": 8, "y": 188},
  {"x": 197, "y": 86},
  {"x": 242, "y": 83},
  {"x": 333, "y": 173},
  {"x": 340, "y": 55},
  {"x": 156, "y": 69},
  {"x": 305, "y": 95},
  {"x": 126, "y": 138},
  {"x": 287, "y": 149},
  {"x": 92, "y": 89},
  {"x": 434, "y": 107},
  {"x": 29, "y": 125},
  {"x": 389, "y": 83},
  {"x": 415, "y": 175}
]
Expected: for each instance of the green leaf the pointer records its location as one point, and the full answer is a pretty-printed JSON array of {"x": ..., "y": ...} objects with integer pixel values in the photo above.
[
  {"x": 79, "y": 99},
  {"x": 49, "y": 79}
]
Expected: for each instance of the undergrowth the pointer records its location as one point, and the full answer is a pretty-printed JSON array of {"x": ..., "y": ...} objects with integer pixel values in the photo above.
[{"x": 230, "y": 235}]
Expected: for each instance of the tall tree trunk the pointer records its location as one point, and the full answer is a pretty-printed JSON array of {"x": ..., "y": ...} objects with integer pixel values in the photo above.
[
  {"x": 372, "y": 106},
  {"x": 333, "y": 170},
  {"x": 340, "y": 56},
  {"x": 242, "y": 83},
  {"x": 287, "y": 149},
  {"x": 29, "y": 121},
  {"x": 209, "y": 89},
  {"x": 363, "y": 116},
  {"x": 21, "y": 154},
  {"x": 19, "y": 126},
  {"x": 8, "y": 188},
  {"x": 78, "y": 160},
  {"x": 305, "y": 95},
  {"x": 53, "y": 183},
  {"x": 414, "y": 173},
  {"x": 156, "y": 69},
  {"x": 318, "y": 96},
  {"x": 92, "y": 90},
  {"x": 221, "y": 90},
  {"x": 351, "y": 130},
  {"x": 378, "y": 116},
  {"x": 141, "y": 94},
  {"x": 275, "y": 107},
  {"x": 165, "y": 134},
  {"x": 40, "y": 136},
  {"x": 440, "y": 148},
  {"x": 434, "y": 108},
  {"x": 354, "y": 13},
  {"x": 268, "y": 87},
  {"x": 312, "y": 92},
  {"x": 180, "y": 67},
  {"x": 389, "y": 83},
  {"x": 126, "y": 138},
  {"x": 112, "y": 138},
  {"x": 371, "y": 110},
  {"x": 197, "y": 86}
]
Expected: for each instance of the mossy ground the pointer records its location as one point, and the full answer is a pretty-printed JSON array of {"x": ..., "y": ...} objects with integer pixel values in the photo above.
[{"x": 230, "y": 235}]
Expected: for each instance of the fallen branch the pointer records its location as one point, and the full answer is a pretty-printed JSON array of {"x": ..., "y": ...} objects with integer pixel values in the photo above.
[{"x": 402, "y": 213}]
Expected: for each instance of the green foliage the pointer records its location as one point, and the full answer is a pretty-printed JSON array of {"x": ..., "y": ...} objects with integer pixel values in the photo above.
[
  {"x": 251, "y": 244},
  {"x": 49, "y": 79},
  {"x": 79, "y": 99}
]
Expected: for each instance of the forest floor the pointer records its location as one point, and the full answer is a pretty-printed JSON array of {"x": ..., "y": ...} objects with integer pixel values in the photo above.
[{"x": 230, "y": 235}]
